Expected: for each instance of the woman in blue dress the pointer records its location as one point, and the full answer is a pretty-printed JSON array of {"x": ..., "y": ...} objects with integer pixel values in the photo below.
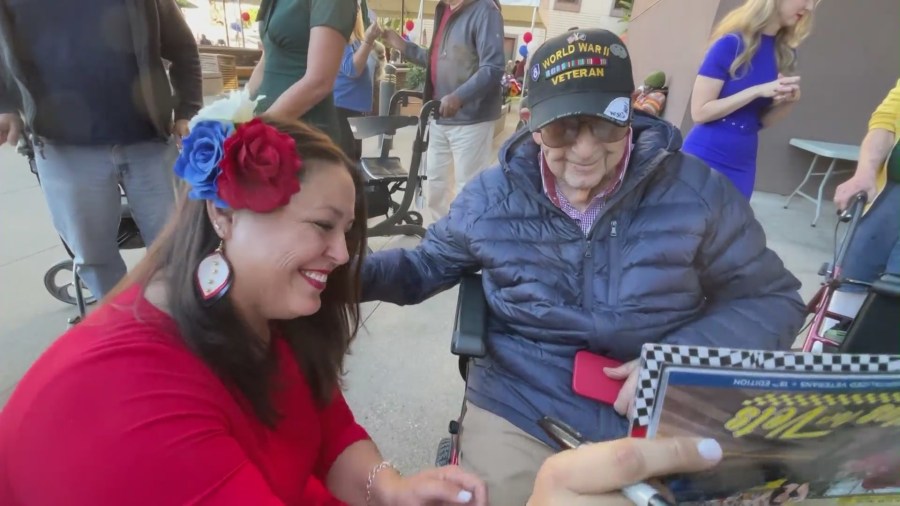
[
  {"x": 354, "y": 86},
  {"x": 745, "y": 84}
]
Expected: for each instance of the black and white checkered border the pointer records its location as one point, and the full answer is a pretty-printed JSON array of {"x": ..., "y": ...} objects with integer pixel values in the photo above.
[
  {"x": 653, "y": 357},
  {"x": 827, "y": 362}
]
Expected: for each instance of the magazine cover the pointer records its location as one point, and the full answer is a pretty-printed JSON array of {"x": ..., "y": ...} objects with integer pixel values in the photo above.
[
  {"x": 786, "y": 436},
  {"x": 654, "y": 356}
]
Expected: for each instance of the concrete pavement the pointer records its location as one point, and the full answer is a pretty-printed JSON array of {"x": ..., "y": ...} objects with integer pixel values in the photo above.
[{"x": 402, "y": 381}]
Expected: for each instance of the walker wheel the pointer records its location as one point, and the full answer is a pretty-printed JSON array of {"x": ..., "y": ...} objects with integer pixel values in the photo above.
[
  {"x": 413, "y": 218},
  {"x": 59, "y": 281}
]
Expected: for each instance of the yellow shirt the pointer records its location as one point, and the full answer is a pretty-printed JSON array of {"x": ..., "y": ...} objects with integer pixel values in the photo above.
[{"x": 887, "y": 117}]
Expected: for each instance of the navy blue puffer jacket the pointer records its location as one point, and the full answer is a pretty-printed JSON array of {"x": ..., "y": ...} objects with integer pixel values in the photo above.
[{"x": 675, "y": 257}]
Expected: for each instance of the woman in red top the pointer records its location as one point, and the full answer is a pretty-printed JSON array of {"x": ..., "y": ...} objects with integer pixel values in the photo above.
[{"x": 212, "y": 375}]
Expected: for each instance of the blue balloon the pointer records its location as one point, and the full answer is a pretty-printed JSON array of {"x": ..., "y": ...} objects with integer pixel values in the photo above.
[{"x": 523, "y": 50}]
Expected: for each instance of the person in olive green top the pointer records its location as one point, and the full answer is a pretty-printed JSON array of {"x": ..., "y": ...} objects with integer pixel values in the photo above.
[{"x": 303, "y": 42}]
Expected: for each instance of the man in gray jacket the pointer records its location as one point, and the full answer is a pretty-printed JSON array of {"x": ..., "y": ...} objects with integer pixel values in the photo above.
[
  {"x": 594, "y": 234},
  {"x": 89, "y": 80},
  {"x": 463, "y": 69}
]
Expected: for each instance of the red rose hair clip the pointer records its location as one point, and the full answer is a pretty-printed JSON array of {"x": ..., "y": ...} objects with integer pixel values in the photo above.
[{"x": 260, "y": 168}]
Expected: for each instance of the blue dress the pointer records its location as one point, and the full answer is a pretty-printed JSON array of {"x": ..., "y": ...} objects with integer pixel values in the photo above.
[
  {"x": 729, "y": 144},
  {"x": 351, "y": 91}
]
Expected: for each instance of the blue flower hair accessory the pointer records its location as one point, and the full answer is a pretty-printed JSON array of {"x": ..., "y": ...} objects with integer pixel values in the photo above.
[{"x": 204, "y": 148}]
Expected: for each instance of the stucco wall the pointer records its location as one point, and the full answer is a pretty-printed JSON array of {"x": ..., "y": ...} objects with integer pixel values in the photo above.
[{"x": 847, "y": 65}]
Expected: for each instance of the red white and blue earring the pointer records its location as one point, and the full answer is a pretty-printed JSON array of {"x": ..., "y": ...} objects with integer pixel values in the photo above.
[{"x": 214, "y": 276}]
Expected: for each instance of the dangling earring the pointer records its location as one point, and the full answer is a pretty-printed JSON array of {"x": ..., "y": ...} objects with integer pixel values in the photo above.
[{"x": 214, "y": 276}]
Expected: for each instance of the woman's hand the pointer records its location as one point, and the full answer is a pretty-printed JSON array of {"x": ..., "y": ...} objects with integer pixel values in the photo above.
[
  {"x": 10, "y": 128},
  {"x": 594, "y": 474},
  {"x": 784, "y": 85},
  {"x": 790, "y": 96},
  {"x": 372, "y": 34},
  {"x": 442, "y": 485}
]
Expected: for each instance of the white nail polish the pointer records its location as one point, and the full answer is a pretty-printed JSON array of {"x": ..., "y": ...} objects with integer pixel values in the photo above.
[
  {"x": 709, "y": 449},
  {"x": 464, "y": 496}
]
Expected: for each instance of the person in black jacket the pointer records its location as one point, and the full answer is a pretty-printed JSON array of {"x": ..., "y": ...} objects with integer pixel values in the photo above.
[{"x": 88, "y": 81}]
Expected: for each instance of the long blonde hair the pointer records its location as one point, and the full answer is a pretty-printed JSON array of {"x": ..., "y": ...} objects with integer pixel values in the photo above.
[
  {"x": 359, "y": 29},
  {"x": 748, "y": 21}
]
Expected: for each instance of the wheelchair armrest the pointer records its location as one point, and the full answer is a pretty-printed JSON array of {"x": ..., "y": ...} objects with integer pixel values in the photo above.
[
  {"x": 470, "y": 325},
  {"x": 887, "y": 285}
]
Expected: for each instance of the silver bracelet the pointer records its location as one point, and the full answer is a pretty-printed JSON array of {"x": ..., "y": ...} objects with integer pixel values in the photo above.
[{"x": 371, "y": 481}]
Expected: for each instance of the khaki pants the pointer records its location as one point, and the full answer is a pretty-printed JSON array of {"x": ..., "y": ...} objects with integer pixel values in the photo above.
[
  {"x": 503, "y": 455},
  {"x": 456, "y": 154}
]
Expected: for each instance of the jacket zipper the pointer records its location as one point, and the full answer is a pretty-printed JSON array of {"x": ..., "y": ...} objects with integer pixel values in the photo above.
[
  {"x": 614, "y": 261},
  {"x": 450, "y": 21},
  {"x": 588, "y": 273},
  {"x": 446, "y": 32}
]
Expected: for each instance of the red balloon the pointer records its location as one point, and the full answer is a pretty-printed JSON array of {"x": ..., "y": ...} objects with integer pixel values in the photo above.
[
  {"x": 527, "y": 37},
  {"x": 245, "y": 16},
  {"x": 410, "y": 25}
]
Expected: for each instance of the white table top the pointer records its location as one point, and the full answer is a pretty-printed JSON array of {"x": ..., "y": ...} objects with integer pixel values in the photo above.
[{"x": 848, "y": 152}]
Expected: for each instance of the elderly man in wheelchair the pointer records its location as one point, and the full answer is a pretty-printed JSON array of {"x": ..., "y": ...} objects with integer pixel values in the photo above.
[{"x": 594, "y": 234}]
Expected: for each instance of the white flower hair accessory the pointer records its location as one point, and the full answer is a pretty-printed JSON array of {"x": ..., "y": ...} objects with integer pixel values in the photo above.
[{"x": 236, "y": 108}]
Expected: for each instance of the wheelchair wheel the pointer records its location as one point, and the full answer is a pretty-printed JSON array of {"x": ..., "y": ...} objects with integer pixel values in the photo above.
[
  {"x": 444, "y": 451},
  {"x": 59, "y": 281},
  {"x": 413, "y": 218}
]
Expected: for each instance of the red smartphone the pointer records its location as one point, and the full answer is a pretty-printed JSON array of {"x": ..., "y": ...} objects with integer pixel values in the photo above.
[{"x": 589, "y": 380}]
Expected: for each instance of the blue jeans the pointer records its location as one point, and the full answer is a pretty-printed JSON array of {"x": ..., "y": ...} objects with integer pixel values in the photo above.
[
  {"x": 80, "y": 184},
  {"x": 875, "y": 249}
]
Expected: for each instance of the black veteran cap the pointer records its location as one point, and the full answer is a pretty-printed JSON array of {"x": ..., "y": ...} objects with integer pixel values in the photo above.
[{"x": 580, "y": 72}]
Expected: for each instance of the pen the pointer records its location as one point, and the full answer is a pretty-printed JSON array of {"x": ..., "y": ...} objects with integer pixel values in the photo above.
[{"x": 641, "y": 494}]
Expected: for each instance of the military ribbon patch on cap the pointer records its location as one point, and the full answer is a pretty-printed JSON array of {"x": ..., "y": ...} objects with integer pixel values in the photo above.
[{"x": 590, "y": 61}]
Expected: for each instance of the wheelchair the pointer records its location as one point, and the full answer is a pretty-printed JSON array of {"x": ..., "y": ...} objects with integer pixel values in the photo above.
[
  {"x": 71, "y": 289},
  {"x": 876, "y": 328},
  {"x": 468, "y": 343},
  {"x": 385, "y": 175}
]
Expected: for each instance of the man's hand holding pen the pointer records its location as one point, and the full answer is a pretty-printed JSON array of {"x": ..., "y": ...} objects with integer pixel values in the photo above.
[{"x": 614, "y": 472}]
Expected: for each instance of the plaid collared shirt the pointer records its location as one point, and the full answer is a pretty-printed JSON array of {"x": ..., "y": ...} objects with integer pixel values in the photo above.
[{"x": 585, "y": 219}]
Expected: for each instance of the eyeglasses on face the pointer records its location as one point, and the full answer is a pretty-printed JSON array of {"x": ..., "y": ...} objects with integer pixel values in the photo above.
[{"x": 564, "y": 132}]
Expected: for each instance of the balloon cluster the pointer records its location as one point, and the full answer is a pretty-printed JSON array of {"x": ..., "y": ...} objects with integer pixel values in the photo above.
[
  {"x": 409, "y": 26},
  {"x": 527, "y": 37}
]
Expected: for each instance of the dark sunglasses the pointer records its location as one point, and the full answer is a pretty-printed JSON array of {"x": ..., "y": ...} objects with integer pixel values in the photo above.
[{"x": 564, "y": 132}]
